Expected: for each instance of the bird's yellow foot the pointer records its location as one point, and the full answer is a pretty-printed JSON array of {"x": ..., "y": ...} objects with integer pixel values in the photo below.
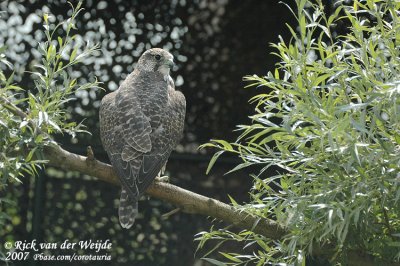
[{"x": 162, "y": 179}]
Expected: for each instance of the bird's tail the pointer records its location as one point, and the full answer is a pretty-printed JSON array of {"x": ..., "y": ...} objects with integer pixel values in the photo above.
[{"x": 128, "y": 209}]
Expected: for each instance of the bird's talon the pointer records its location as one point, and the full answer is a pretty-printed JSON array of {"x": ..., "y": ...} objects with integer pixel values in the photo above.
[
  {"x": 162, "y": 179},
  {"x": 90, "y": 159}
]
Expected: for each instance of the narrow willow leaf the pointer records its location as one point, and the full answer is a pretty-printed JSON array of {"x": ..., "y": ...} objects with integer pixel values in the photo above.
[
  {"x": 214, "y": 261},
  {"x": 230, "y": 257},
  {"x": 213, "y": 160},
  {"x": 60, "y": 41},
  {"x": 73, "y": 54}
]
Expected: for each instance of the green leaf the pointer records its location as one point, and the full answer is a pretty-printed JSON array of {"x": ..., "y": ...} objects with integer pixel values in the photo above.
[
  {"x": 226, "y": 145},
  {"x": 23, "y": 124},
  {"x": 73, "y": 54},
  {"x": 2, "y": 123},
  {"x": 234, "y": 203},
  {"x": 397, "y": 138},
  {"x": 3, "y": 48},
  {"x": 50, "y": 52},
  {"x": 46, "y": 17},
  {"x": 230, "y": 257},
  {"x": 60, "y": 41},
  {"x": 213, "y": 160},
  {"x": 214, "y": 262},
  {"x": 30, "y": 155}
]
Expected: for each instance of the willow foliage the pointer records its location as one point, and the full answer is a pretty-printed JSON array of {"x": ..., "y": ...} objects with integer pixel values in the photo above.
[
  {"x": 329, "y": 117},
  {"x": 23, "y": 135}
]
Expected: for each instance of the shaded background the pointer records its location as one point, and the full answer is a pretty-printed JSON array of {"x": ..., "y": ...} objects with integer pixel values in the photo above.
[{"x": 215, "y": 44}]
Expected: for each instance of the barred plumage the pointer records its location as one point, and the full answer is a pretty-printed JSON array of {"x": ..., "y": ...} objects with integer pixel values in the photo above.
[{"x": 140, "y": 124}]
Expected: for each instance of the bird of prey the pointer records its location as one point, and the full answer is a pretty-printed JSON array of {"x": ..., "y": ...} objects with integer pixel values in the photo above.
[{"x": 140, "y": 124}]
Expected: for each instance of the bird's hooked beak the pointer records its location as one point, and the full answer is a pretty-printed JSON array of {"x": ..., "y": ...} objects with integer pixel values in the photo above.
[{"x": 169, "y": 62}]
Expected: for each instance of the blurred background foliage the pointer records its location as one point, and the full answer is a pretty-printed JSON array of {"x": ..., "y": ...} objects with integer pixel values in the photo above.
[{"x": 215, "y": 44}]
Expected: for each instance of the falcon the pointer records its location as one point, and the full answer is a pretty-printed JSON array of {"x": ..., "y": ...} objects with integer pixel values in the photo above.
[{"x": 140, "y": 124}]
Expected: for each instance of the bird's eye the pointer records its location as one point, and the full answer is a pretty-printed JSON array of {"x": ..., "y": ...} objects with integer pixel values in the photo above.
[{"x": 157, "y": 57}]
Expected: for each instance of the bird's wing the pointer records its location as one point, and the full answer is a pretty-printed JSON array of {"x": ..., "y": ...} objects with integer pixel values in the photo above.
[
  {"x": 153, "y": 162},
  {"x": 125, "y": 133},
  {"x": 164, "y": 140},
  {"x": 136, "y": 126}
]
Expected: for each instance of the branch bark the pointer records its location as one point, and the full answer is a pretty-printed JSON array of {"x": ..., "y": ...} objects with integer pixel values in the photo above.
[
  {"x": 194, "y": 203},
  {"x": 186, "y": 200}
]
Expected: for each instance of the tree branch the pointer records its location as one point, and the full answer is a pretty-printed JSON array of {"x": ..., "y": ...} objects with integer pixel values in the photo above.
[
  {"x": 193, "y": 203},
  {"x": 186, "y": 200},
  {"x": 12, "y": 107}
]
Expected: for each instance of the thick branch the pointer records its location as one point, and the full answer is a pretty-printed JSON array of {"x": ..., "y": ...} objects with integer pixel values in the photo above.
[
  {"x": 186, "y": 200},
  {"x": 191, "y": 202}
]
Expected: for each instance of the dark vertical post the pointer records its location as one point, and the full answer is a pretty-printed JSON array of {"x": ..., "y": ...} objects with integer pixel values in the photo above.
[{"x": 39, "y": 201}]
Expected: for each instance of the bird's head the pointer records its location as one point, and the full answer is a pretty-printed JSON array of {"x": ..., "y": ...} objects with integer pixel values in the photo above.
[{"x": 156, "y": 59}]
